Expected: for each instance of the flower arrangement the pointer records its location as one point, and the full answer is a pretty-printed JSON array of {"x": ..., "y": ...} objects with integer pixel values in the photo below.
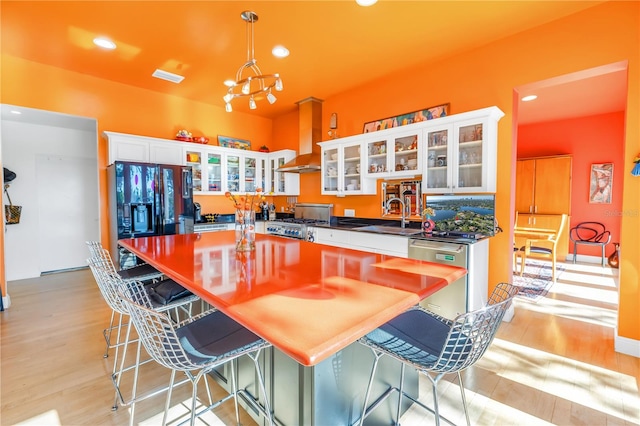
[
  {"x": 427, "y": 224},
  {"x": 428, "y": 212},
  {"x": 245, "y": 206}
]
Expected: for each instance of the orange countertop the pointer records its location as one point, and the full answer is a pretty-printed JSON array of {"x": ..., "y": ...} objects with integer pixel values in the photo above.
[{"x": 309, "y": 300}]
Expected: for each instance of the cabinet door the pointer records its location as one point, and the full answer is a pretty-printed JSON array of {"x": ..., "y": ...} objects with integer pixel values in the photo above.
[
  {"x": 250, "y": 173},
  {"x": 553, "y": 185},
  {"x": 165, "y": 153},
  {"x": 469, "y": 161},
  {"x": 121, "y": 149},
  {"x": 282, "y": 183},
  {"x": 350, "y": 155},
  {"x": 403, "y": 158},
  {"x": 525, "y": 185},
  {"x": 214, "y": 173},
  {"x": 194, "y": 160},
  {"x": 232, "y": 165},
  {"x": 331, "y": 170},
  {"x": 377, "y": 157},
  {"x": 437, "y": 176}
]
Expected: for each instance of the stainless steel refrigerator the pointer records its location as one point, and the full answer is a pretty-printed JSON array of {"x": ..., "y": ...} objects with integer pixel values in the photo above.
[{"x": 146, "y": 200}]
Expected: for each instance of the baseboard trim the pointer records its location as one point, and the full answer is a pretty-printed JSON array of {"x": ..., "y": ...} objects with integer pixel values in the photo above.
[
  {"x": 587, "y": 259},
  {"x": 626, "y": 346}
]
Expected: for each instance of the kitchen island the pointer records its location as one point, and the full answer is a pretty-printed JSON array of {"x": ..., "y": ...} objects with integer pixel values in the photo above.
[{"x": 312, "y": 302}]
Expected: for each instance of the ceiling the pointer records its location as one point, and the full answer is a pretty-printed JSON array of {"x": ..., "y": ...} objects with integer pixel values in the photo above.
[{"x": 334, "y": 45}]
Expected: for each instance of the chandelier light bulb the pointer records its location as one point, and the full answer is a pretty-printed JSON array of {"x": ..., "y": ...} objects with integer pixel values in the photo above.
[
  {"x": 271, "y": 98},
  {"x": 278, "y": 83},
  {"x": 227, "y": 98},
  {"x": 246, "y": 88},
  {"x": 227, "y": 107},
  {"x": 252, "y": 103}
]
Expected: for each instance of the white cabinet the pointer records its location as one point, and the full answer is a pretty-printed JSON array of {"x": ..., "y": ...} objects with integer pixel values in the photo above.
[
  {"x": 454, "y": 154},
  {"x": 206, "y": 166},
  {"x": 143, "y": 149},
  {"x": 461, "y": 152},
  {"x": 280, "y": 183},
  {"x": 215, "y": 169},
  {"x": 394, "y": 153},
  {"x": 342, "y": 168},
  {"x": 365, "y": 241},
  {"x": 162, "y": 152},
  {"x": 126, "y": 148}
]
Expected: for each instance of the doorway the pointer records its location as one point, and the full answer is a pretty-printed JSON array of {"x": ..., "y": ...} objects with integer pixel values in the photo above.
[
  {"x": 55, "y": 158},
  {"x": 572, "y": 115}
]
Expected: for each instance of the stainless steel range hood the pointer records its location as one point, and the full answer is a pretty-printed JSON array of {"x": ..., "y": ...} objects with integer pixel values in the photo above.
[{"x": 309, "y": 158}]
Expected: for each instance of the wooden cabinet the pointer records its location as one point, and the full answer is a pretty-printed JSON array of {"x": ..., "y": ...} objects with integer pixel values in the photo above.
[
  {"x": 543, "y": 185},
  {"x": 543, "y": 191}
]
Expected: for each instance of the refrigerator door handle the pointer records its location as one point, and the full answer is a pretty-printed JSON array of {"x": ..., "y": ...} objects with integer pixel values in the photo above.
[{"x": 187, "y": 185}]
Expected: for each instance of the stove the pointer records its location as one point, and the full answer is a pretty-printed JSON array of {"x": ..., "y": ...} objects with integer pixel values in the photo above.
[{"x": 305, "y": 215}]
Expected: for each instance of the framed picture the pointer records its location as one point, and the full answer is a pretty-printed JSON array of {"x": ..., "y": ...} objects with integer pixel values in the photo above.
[
  {"x": 233, "y": 142},
  {"x": 601, "y": 183},
  {"x": 408, "y": 118}
]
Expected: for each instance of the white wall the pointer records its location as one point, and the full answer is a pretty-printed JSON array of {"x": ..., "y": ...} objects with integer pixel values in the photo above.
[{"x": 57, "y": 187}]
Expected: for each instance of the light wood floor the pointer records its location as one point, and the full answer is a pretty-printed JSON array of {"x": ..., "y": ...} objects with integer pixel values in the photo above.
[{"x": 554, "y": 362}]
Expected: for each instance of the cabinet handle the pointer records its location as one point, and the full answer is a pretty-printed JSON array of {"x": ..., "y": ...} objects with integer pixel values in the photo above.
[
  {"x": 530, "y": 209},
  {"x": 535, "y": 209}
]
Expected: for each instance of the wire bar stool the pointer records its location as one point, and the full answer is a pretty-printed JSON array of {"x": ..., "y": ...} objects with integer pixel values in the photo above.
[
  {"x": 194, "y": 346},
  {"x": 107, "y": 283},
  {"x": 436, "y": 346}
]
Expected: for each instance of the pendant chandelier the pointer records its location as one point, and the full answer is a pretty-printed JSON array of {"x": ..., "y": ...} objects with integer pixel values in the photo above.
[{"x": 254, "y": 83}]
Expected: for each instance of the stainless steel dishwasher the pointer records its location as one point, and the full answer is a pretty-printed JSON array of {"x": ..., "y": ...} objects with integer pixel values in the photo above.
[{"x": 453, "y": 299}]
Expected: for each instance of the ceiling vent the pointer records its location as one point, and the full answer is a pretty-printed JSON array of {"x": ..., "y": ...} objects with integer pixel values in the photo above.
[{"x": 165, "y": 75}]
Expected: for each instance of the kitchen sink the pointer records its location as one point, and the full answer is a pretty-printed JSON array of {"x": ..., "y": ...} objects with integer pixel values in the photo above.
[{"x": 382, "y": 229}]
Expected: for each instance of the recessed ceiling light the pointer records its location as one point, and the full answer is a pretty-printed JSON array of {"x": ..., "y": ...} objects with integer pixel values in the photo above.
[
  {"x": 529, "y": 98},
  {"x": 104, "y": 42},
  {"x": 168, "y": 76},
  {"x": 366, "y": 2},
  {"x": 280, "y": 52}
]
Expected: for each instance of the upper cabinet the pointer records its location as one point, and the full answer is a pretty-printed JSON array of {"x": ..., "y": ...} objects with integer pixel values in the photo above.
[
  {"x": 543, "y": 185},
  {"x": 394, "y": 153},
  {"x": 215, "y": 169},
  {"x": 343, "y": 170},
  {"x": 461, "y": 152},
  {"x": 454, "y": 154},
  {"x": 280, "y": 183}
]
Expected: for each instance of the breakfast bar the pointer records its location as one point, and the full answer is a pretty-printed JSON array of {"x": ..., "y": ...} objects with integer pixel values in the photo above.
[{"x": 311, "y": 301}]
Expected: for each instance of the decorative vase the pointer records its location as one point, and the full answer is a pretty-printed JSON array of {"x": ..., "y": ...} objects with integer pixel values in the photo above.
[
  {"x": 614, "y": 258},
  {"x": 428, "y": 225},
  {"x": 245, "y": 230}
]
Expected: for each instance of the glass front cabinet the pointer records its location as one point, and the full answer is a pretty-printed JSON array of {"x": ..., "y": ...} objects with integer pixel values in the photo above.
[
  {"x": 342, "y": 168},
  {"x": 280, "y": 183},
  {"x": 461, "y": 155},
  {"x": 394, "y": 153}
]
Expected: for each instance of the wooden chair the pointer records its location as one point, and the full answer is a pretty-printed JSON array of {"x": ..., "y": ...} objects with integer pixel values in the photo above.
[{"x": 543, "y": 246}]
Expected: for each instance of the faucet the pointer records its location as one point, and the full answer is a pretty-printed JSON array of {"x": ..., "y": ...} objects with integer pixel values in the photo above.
[{"x": 404, "y": 207}]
